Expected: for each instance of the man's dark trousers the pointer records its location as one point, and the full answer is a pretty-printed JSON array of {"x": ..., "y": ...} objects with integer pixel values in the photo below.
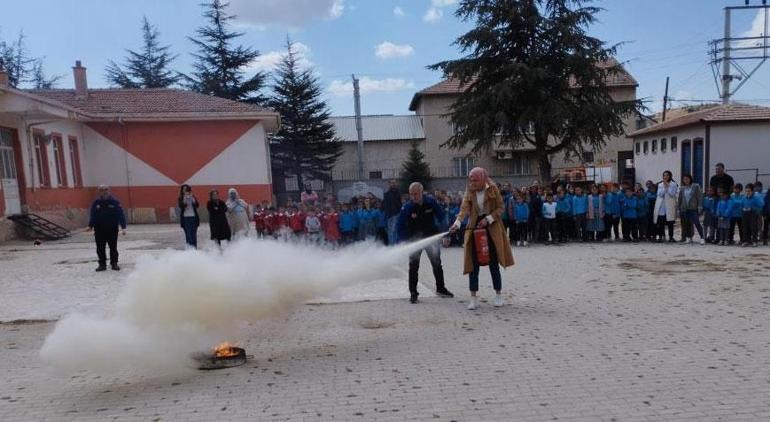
[
  {"x": 105, "y": 236},
  {"x": 434, "y": 256}
]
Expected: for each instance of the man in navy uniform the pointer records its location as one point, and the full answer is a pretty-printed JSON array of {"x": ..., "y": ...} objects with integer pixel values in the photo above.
[
  {"x": 106, "y": 216},
  {"x": 420, "y": 218}
]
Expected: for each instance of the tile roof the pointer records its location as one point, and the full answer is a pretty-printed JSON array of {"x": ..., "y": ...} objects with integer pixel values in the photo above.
[
  {"x": 453, "y": 86},
  {"x": 148, "y": 103},
  {"x": 722, "y": 113},
  {"x": 379, "y": 127}
]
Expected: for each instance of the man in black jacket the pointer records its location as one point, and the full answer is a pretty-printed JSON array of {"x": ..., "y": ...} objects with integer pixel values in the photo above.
[
  {"x": 106, "y": 216},
  {"x": 419, "y": 218},
  {"x": 392, "y": 205},
  {"x": 721, "y": 181}
]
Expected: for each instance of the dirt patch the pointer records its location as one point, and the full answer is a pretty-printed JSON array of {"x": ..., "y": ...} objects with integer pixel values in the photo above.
[
  {"x": 376, "y": 325},
  {"x": 672, "y": 266}
]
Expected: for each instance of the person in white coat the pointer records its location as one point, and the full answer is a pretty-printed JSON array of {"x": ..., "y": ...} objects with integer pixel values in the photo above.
[
  {"x": 665, "y": 207},
  {"x": 237, "y": 214}
]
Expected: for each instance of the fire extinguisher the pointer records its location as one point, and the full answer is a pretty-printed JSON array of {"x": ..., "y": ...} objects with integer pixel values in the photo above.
[{"x": 481, "y": 241}]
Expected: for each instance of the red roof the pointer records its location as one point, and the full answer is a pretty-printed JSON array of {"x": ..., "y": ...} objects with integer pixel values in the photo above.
[
  {"x": 453, "y": 86},
  {"x": 159, "y": 102},
  {"x": 721, "y": 113}
]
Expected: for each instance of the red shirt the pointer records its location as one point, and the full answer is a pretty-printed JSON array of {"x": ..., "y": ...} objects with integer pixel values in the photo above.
[
  {"x": 297, "y": 222},
  {"x": 281, "y": 221},
  {"x": 331, "y": 226},
  {"x": 259, "y": 221},
  {"x": 270, "y": 225}
]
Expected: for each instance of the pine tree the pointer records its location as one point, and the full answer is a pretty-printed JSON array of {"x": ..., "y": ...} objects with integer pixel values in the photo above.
[
  {"x": 39, "y": 80},
  {"x": 220, "y": 66},
  {"x": 305, "y": 146},
  {"x": 148, "y": 68},
  {"x": 533, "y": 75},
  {"x": 415, "y": 169},
  {"x": 24, "y": 70}
]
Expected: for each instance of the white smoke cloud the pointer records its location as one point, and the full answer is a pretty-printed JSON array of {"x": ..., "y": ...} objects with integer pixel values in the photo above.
[{"x": 183, "y": 302}]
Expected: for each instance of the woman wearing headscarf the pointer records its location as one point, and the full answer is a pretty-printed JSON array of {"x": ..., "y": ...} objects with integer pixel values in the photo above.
[
  {"x": 220, "y": 229},
  {"x": 189, "y": 220},
  {"x": 237, "y": 214},
  {"x": 483, "y": 205}
]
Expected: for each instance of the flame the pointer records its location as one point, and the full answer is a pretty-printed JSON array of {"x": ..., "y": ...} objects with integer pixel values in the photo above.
[{"x": 224, "y": 350}]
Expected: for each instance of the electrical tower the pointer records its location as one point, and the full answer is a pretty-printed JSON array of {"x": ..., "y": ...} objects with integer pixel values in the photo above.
[{"x": 729, "y": 52}]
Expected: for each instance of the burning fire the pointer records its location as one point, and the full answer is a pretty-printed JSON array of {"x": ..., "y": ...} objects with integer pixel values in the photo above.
[{"x": 224, "y": 350}]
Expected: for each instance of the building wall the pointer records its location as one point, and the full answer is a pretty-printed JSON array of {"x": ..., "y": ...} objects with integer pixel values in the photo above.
[
  {"x": 651, "y": 166},
  {"x": 144, "y": 163},
  {"x": 385, "y": 156},
  {"x": 742, "y": 146}
]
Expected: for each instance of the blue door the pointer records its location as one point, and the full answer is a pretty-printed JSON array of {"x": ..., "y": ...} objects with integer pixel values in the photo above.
[
  {"x": 686, "y": 158},
  {"x": 697, "y": 162}
]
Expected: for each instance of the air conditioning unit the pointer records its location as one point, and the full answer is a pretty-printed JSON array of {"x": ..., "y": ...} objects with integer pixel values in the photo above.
[{"x": 504, "y": 155}]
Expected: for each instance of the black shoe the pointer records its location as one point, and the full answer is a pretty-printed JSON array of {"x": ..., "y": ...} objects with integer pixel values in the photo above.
[
  {"x": 115, "y": 267},
  {"x": 444, "y": 292},
  {"x": 413, "y": 298},
  {"x": 101, "y": 267}
]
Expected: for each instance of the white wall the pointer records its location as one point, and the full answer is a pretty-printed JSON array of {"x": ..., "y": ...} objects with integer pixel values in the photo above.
[
  {"x": 245, "y": 162},
  {"x": 651, "y": 166},
  {"x": 742, "y": 146}
]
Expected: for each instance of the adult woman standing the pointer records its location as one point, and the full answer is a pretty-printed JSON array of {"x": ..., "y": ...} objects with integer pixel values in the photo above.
[
  {"x": 690, "y": 206},
  {"x": 217, "y": 208},
  {"x": 483, "y": 205},
  {"x": 237, "y": 214},
  {"x": 188, "y": 208},
  {"x": 665, "y": 206}
]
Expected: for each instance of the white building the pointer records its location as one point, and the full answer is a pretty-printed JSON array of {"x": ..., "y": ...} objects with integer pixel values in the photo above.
[{"x": 737, "y": 135}]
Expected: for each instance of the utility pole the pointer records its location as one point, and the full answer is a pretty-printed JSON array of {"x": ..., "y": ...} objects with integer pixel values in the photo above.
[
  {"x": 665, "y": 100},
  {"x": 728, "y": 51},
  {"x": 359, "y": 129}
]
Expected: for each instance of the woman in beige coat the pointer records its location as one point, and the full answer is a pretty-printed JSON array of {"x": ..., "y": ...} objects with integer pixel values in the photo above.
[{"x": 483, "y": 204}]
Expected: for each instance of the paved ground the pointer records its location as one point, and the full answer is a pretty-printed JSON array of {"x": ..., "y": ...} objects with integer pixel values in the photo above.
[{"x": 598, "y": 332}]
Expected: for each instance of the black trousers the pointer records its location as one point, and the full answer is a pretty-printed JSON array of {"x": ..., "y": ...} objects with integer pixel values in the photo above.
[
  {"x": 563, "y": 222},
  {"x": 749, "y": 227},
  {"x": 735, "y": 221},
  {"x": 434, "y": 256},
  {"x": 104, "y": 237},
  {"x": 663, "y": 223},
  {"x": 549, "y": 229},
  {"x": 630, "y": 229}
]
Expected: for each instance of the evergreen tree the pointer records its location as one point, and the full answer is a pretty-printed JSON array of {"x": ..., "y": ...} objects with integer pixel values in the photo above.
[
  {"x": 415, "y": 169},
  {"x": 24, "y": 70},
  {"x": 148, "y": 68},
  {"x": 306, "y": 145},
  {"x": 533, "y": 75},
  {"x": 220, "y": 66},
  {"x": 39, "y": 80}
]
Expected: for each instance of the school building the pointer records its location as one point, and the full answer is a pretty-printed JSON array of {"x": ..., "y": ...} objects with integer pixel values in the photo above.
[
  {"x": 57, "y": 146},
  {"x": 737, "y": 135}
]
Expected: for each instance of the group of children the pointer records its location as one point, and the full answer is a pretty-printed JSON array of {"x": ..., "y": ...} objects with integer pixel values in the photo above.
[
  {"x": 537, "y": 215},
  {"x": 333, "y": 224}
]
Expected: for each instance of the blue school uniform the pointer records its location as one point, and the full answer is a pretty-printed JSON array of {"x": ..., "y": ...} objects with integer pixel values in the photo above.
[
  {"x": 564, "y": 205},
  {"x": 612, "y": 204},
  {"x": 736, "y": 206},
  {"x": 521, "y": 212},
  {"x": 642, "y": 206},
  {"x": 579, "y": 204},
  {"x": 628, "y": 207},
  {"x": 724, "y": 213},
  {"x": 348, "y": 222}
]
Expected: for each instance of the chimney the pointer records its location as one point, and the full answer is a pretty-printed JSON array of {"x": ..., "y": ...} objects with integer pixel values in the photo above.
[
  {"x": 81, "y": 84},
  {"x": 4, "y": 82}
]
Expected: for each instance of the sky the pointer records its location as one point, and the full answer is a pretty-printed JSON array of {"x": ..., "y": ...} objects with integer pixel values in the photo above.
[{"x": 387, "y": 44}]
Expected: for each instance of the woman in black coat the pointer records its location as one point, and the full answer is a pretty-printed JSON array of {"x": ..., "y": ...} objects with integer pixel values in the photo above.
[{"x": 217, "y": 208}]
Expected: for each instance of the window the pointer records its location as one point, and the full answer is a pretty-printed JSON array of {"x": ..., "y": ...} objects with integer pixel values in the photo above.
[
  {"x": 58, "y": 156},
  {"x": 646, "y": 147},
  {"x": 375, "y": 174},
  {"x": 77, "y": 176},
  {"x": 638, "y": 148},
  {"x": 662, "y": 145},
  {"x": 654, "y": 146},
  {"x": 520, "y": 165},
  {"x": 41, "y": 156},
  {"x": 462, "y": 166},
  {"x": 673, "y": 144},
  {"x": 588, "y": 156},
  {"x": 7, "y": 164}
]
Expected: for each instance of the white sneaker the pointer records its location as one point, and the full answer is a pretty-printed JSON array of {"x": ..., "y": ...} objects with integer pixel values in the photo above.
[
  {"x": 702, "y": 241},
  {"x": 498, "y": 300},
  {"x": 518, "y": 243},
  {"x": 474, "y": 303},
  {"x": 689, "y": 240},
  {"x": 525, "y": 243}
]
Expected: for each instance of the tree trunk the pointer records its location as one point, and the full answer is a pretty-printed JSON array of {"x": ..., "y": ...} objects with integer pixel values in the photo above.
[{"x": 544, "y": 167}]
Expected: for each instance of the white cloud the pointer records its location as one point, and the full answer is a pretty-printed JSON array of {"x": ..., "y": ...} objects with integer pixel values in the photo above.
[
  {"x": 388, "y": 50},
  {"x": 398, "y": 11},
  {"x": 432, "y": 15},
  {"x": 757, "y": 30},
  {"x": 291, "y": 13},
  {"x": 443, "y": 3},
  {"x": 267, "y": 62},
  {"x": 342, "y": 88}
]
